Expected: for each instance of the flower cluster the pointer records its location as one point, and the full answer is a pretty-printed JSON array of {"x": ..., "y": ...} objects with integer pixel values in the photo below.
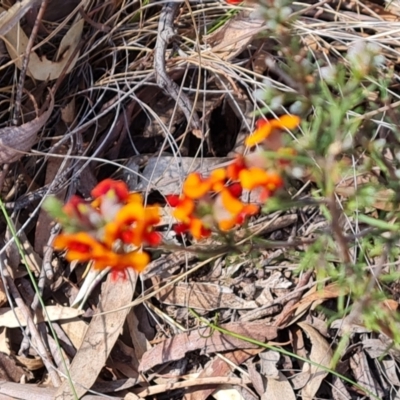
[
  {"x": 214, "y": 202},
  {"x": 109, "y": 230}
]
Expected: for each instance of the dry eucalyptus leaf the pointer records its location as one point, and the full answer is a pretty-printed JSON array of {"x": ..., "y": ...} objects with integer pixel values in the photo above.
[
  {"x": 321, "y": 353},
  {"x": 278, "y": 388},
  {"x": 234, "y": 36},
  {"x": 100, "y": 337},
  {"x": 204, "y": 296},
  {"x": 32, "y": 364},
  {"x": 4, "y": 342},
  {"x": 225, "y": 392},
  {"x": 139, "y": 340},
  {"x": 14, "y": 318},
  {"x": 390, "y": 369},
  {"x": 268, "y": 361},
  {"x": 221, "y": 366},
  {"x": 75, "y": 330},
  {"x": 166, "y": 173},
  {"x": 339, "y": 391},
  {"x": 363, "y": 375},
  {"x": 208, "y": 341},
  {"x": 15, "y": 141},
  {"x": 11, "y": 17},
  {"x": 40, "y": 68},
  {"x": 315, "y": 297}
]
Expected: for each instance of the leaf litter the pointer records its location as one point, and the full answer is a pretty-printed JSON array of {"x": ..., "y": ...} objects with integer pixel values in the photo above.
[{"x": 105, "y": 116}]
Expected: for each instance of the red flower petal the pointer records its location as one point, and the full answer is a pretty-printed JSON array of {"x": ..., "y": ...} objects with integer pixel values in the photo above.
[
  {"x": 235, "y": 190},
  {"x": 172, "y": 199},
  {"x": 180, "y": 229},
  {"x": 120, "y": 189},
  {"x": 153, "y": 238}
]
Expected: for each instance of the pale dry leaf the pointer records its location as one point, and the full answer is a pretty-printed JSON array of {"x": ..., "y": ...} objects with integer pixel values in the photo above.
[
  {"x": 139, "y": 340},
  {"x": 10, "y": 390},
  {"x": 349, "y": 325},
  {"x": 4, "y": 342},
  {"x": 13, "y": 318},
  {"x": 31, "y": 363},
  {"x": 167, "y": 173},
  {"x": 339, "y": 391},
  {"x": 233, "y": 37},
  {"x": 225, "y": 392},
  {"x": 131, "y": 396},
  {"x": 321, "y": 353},
  {"x": 75, "y": 329},
  {"x": 278, "y": 388},
  {"x": 313, "y": 298},
  {"x": 40, "y": 68},
  {"x": 268, "y": 362},
  {"x": 11, "y": 17},
  {"x": 391, "y": 369},
  {"x": 68, "y": 112},
  {"x": 363, "y": 375},
  {"x": 100, "y": 337},
  {"x": 204, "y": 296},
  {"x": 220, "y": 366},
  {"x": 15, "y": 141},
  {"x": 258, "y": 381}
]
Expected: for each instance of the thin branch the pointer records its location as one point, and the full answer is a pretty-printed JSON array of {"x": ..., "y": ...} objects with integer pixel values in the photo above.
[{"x": 165, "y": 35}]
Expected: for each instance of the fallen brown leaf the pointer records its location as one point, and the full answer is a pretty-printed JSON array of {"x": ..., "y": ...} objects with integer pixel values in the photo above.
[
  {"x": 15, "y": 141},
  {"x": 321, "y": 353},
  {"x": 233, "y": 37},
  {"x": 363, "y": 375},
  {"x": 220, "y": 367},
  {"x": 208, "y": 341},
  {"x": 278, "y": 388},
  {"x": 205, "y": 296},
  {"x": 40, "y": 68},
  {"x": 13, "y": 318},
  {"x": 100, "y": 337}
]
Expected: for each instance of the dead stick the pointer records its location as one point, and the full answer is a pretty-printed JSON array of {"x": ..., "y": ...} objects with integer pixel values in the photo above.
[{"x": 165, "y": 35}]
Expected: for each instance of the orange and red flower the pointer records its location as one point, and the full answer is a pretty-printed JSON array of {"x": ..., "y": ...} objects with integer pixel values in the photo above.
[
  {"x": 111, "y": 229},
  {"x": 211, "y": 202},
  {"x": 83, "y": 247},
  {"x": 134, "y": 224},
  {"x": 110, "y": 186},
  {"x": 265, "y": 128},
  {"x": 109, "y": 225}
]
